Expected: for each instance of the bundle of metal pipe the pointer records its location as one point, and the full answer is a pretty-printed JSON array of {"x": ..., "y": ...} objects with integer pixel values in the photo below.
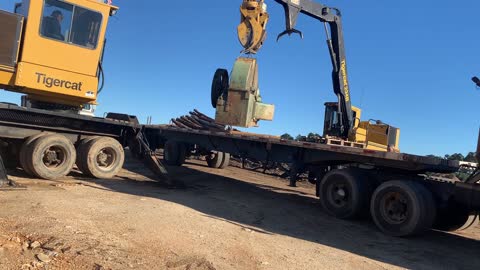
[{"x": 197, "y": 120}]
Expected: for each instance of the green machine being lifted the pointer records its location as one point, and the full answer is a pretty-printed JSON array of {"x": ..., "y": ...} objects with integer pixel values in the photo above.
[
  {"x": 241, "y": 105},
  {"x": 237, "y": 100}
]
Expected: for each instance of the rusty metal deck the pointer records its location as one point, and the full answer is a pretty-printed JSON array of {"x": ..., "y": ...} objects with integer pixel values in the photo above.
[{"x": 275, "y": 149}]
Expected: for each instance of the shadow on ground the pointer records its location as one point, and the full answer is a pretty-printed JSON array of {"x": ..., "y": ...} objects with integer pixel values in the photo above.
[{"x": 269, "y": 210}]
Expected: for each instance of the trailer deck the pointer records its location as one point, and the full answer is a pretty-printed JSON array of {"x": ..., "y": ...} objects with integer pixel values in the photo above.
[
  {"x": 269, "y": 148},
  {"x": 18, "y": 123}
]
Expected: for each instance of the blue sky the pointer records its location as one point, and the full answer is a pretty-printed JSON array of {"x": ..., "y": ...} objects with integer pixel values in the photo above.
[{"x": 410, "y": 64}]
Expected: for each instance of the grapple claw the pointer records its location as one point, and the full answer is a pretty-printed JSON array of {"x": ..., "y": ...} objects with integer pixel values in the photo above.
[{"x": 290, "y": 32}]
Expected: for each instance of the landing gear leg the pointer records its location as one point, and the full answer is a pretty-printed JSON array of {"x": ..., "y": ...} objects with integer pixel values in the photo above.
[
  {"x": 294, "y": 171},
  {"x": 5, "y": 183}
]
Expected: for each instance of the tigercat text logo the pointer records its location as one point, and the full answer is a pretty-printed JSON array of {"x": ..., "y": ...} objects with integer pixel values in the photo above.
[
  {"x": 50, "y": 82},
  {"x": 345, "y": 80}
]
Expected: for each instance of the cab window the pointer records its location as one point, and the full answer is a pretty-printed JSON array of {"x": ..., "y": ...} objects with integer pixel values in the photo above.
[{"x": 71, "y": 24}]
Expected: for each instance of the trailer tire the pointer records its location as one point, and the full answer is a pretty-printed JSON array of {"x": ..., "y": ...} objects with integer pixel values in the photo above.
[
  {"x": 174, "y": 153},
  {"x": 225, "y": 161},
  {"x": 102, "y": 158},
  {"x": 215, "y": 159},
  {"x": 402, "y": 208},
  {"x": 81, "y": 152},
  {"x": 431, "y": 207},
  {"x": 50, "y": 157},
  {"x": 22, "y": 157},
  {"x": 456, "y": 219},
  {"x": 345, "y": 193}
]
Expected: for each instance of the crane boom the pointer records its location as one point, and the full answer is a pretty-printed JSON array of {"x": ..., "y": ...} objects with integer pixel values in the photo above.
[
  {"x": 252, "y": 33},
  {"x": 335, "y": 42}
]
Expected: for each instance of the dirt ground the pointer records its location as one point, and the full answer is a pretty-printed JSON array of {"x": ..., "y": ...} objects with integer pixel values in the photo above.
[{"x": 221, "y": 219}]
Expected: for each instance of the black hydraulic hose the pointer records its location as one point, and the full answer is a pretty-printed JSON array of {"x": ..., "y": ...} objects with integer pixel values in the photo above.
[{"x": 101, "y": 76}]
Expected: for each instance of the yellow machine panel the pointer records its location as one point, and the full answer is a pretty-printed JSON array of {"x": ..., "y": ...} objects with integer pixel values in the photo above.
[
  {"x": 45, "y": 81},
  {"x": 6, "y": 78},
  {"x": 378, "y": 136}
]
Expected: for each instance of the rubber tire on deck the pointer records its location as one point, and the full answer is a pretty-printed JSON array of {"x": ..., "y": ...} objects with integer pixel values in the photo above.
[
  {"x": 420, "y": 208},
  {"x": 81, "y": 152},
  {"x": 174, "y": 153},
  {"x": 225, "y": 161},
  {"x": 455, "y": 219},
  {"x": 215, "y": 159},
  {"x": 22, "y": 157},
  {"x": 220, "y": 84},
  {"x": 35, "y": 151},
  {"x": 89, "y": 155},
  {"x": 358, "y": 193}
]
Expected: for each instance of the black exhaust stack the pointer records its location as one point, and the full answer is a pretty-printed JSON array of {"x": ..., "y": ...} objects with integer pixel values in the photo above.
[{"x": 476, "y": 81}]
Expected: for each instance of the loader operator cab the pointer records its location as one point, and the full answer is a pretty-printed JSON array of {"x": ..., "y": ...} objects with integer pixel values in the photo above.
[
  {"x": 55, "y": 50},
  {"x": 332, "y": 126},
  {"x": 374, "y": 135}
]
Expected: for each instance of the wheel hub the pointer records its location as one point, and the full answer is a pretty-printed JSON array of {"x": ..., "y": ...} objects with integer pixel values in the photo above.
[
  {"x": 53, "y": 157},
  {"x": 339, "y": 195},
  {"x": 395, "y": 208},
  {"x": 105, "y": 158}
]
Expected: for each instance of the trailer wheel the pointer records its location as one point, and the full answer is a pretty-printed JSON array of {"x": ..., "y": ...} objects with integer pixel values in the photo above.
[
  {"x": 23, "y": 153},
  {"x": 215, "y": 159},
  {"x": 402, "y": 208},
  {"x": 81, "y": 152},
  {"x": 102, "y": 158},
  {"x": 174, "y": 153},
  {"x": 456, "y": 219},
  {"x": 431, "y": 206},
  {"x": 225, "y": 161},
  {"x": 50, "y": 156},
  {"x": 345, "y": 193}
]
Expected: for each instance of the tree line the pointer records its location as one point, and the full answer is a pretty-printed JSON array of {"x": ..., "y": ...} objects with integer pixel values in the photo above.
[{"x": 470, "y": 157}]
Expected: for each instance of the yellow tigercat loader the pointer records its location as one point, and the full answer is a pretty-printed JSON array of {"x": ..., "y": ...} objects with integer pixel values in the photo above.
[{"x": 52, "y": 51}]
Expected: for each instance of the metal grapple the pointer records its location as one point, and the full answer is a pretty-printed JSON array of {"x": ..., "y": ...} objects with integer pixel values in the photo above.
[{"x": 253, "y": 22}]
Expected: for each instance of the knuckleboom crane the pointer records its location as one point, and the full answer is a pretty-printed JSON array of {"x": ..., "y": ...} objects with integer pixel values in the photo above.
[
  {"x": 342, "y": 120},
  {"x": 335, "y": 42}
]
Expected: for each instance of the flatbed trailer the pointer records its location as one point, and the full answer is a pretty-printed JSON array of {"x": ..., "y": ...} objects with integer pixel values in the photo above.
[{"x": 350, "y": 182}]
